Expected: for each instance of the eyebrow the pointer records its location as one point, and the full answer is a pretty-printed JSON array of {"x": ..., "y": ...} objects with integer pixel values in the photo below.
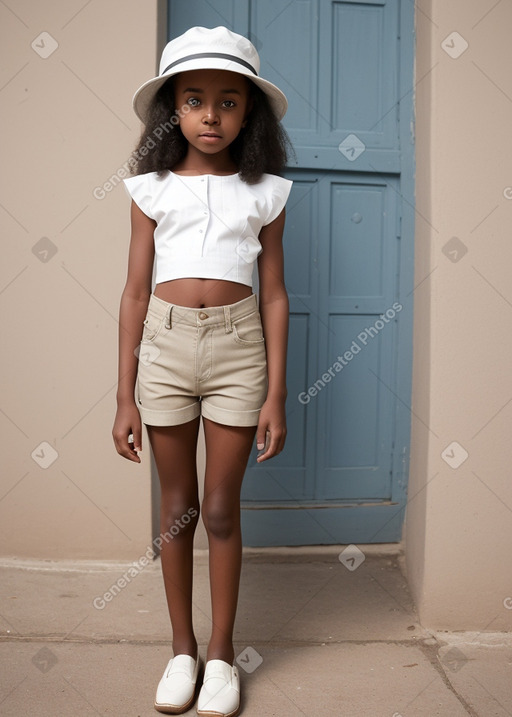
[{"x": 224, "y": 92}]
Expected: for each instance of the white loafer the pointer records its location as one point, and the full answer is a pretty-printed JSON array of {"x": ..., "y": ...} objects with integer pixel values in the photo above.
[
  {"x": 220, "y": 692},
  {"x": 176, "y": 690}
]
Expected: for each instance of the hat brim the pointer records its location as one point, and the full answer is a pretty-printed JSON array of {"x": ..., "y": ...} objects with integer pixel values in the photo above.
[{"x": 144, "y": 96}]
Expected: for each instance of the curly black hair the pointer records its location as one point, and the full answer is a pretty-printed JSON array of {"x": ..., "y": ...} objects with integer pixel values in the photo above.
[{"x": 262, "y": 146}]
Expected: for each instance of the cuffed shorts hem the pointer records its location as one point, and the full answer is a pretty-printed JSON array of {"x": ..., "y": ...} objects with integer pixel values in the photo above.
[
  {"x": 188, "y": 413},
  {"x": 230, "y": 418},
  {"x": 170, "y": 418}
]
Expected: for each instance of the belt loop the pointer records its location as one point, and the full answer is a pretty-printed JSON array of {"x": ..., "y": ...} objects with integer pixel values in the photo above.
[
  {"x": 227, "y": 318},
  {"x": 168, "y": 324}
]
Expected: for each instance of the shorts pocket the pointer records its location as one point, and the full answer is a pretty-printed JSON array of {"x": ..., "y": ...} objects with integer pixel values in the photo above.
[
  {"x": 249, "y": 330},
  {"x": 152, "y": 326}
]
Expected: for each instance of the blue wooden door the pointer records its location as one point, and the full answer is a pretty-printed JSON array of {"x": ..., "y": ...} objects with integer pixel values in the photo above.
[{"x": 346, "y": 68}]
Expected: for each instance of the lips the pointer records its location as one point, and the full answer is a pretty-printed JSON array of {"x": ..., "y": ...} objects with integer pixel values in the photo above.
[{"x": 210, "y": 134}]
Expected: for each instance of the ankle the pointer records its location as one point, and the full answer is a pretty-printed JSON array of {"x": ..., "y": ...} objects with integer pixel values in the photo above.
[
  {"x": 184, "y": 648},
  {"x": 221, "y": 652}
]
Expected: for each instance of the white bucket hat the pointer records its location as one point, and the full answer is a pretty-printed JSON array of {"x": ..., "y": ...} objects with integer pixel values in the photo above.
[{"x": 203, "y": 49}]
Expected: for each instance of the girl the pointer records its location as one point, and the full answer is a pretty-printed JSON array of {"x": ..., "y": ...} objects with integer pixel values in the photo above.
[{"x": 207, "y": 202}]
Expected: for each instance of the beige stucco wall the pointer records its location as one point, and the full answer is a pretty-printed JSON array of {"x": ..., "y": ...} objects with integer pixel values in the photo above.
[
  {"x": 459, "y": 520},
  {"x": 67, "y": 126}
]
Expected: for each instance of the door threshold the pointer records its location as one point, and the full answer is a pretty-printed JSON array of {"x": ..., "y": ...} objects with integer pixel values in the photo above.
[{"x": 316, "y": 506}]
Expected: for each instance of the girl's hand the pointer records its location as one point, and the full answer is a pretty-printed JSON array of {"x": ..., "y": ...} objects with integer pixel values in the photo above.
[
  {"x": 128, "y": 422},
  {"x": 272, "y": 428}
]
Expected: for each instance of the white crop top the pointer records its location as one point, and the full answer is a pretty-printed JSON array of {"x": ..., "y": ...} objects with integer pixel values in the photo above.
[{"x": 208, "y": 225}]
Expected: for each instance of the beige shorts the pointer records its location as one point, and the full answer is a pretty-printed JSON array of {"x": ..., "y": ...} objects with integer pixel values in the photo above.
[{"x": 209, "y": 361}]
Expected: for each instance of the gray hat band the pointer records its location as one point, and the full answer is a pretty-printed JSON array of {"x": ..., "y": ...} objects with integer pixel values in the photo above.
[{"x": 232, "y": 58}]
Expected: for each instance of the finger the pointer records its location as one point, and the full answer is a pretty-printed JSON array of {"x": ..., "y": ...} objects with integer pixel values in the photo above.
[
  {"x": 260, "y": 436},
  {"x": 275, "y": 444},
  {"x": 131, "y": 454},
  {"x": 132, "y": 451},
  {"x": 137, "y": 438},
  {"x": 266, "y": 448},
  {"x": 124, "y": 450}
]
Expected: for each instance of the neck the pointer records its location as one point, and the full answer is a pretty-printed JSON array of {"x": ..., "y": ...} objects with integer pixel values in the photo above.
[{"x": 200, "y": 163}]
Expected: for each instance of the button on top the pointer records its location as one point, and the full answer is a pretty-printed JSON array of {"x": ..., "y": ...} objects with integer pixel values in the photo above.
[{"x": 202, "y": 315}]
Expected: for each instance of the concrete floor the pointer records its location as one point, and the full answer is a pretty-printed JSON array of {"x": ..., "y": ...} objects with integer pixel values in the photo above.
[{"x": 314, "y": 636}]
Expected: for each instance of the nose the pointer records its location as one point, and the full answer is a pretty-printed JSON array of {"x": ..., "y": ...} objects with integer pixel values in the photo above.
[{"x": 210, "y": 116}]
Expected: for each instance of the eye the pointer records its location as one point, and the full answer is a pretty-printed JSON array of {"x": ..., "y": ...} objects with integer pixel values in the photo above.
[
  {"x": 193, "y": 102},
  {"x": 229, "y": 104}
]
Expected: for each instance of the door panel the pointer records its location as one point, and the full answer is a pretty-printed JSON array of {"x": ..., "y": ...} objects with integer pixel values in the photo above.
[
  {"x": 287, "y": 39},
  {"x": 363, "y": 92}
]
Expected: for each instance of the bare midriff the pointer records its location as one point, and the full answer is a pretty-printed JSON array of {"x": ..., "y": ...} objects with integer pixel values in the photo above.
[{"x": 200, "y": 293}]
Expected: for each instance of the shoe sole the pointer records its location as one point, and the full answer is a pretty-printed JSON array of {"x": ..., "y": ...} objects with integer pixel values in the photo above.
[
  {"x": 176, "y": 709},
  {"x": 203, "y": 713}
]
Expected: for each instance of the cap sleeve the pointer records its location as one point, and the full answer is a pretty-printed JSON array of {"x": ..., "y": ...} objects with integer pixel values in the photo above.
[
  {"x": 139, "y": 189},
  {"x": 280, "y": 191}
]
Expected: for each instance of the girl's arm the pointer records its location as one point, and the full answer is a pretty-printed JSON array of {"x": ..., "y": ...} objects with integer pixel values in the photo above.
[
  {"x": 133, "y": 309},
  {"x": 274, "y": 310}
]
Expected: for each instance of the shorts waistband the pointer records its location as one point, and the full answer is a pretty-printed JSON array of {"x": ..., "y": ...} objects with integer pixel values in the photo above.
[{"x": 208, "y": 316}]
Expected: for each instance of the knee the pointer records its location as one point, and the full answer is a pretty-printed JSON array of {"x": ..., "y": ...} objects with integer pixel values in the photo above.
[
  {"x": 220, "y": 519},
  {"x": 178, "y": 518}
]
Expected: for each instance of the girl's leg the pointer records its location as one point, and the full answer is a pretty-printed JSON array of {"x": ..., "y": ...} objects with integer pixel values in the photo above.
[
  {"x": 174, "y": 448},
  {"x": 227, "y": 453}
]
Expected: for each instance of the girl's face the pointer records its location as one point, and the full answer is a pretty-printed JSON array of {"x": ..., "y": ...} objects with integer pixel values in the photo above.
[{"x": 216, "y": 105}]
